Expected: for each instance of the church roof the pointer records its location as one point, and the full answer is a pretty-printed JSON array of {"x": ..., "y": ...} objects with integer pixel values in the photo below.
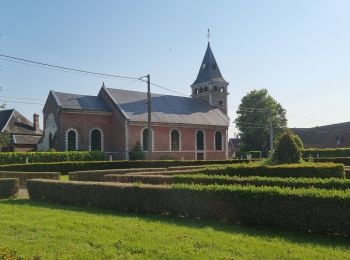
[
  {"x": 167, "y": 109},
  {"x": 209, "y": 70},
  {"x": 80, "y": 102}
]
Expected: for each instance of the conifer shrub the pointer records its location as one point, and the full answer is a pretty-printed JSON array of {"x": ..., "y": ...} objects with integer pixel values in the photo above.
[
  {"x": 137, "y": 153},
  {"x": 8, "y": 188},
  {"x": 287, "y": 151}
]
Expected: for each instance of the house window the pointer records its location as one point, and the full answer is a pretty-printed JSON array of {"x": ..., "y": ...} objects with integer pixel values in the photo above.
[
  {"x": 96, "y": 140},
  {"x": 175, "y": 140},
  {"x": 218, "y": 141},
  {"x": 71, "y": 140},
  {"x": 145, "y": 139},
  {"x": 200, "y": 140}
]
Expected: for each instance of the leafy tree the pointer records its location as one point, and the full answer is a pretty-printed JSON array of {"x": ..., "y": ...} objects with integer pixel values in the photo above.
[
  {"x": 254, "y": 119},
  {"x": 287, "y": 151},
  {"x": 4, "y": 139}
]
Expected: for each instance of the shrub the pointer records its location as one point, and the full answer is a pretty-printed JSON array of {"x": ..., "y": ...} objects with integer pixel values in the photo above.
[
  {"x": 33, "y": 157},
  {"x": 309, "y": 210},
  {"x": 97, "y": 175},
  {"x": 298, "y": 141},
  {"x": 286, "y": 150},
  {"x": 326, "y": 152},
  {"x": 65, "y": 167},
  {"x": 305, "y": 170},
  {"x": 8, "y": 188},
  {"x": 24, "y": 176},
  {"x": 328, "y": 184},
  {"x": 137, "y": 153}
]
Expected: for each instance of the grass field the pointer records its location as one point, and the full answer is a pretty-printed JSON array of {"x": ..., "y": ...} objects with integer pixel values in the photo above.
[{"x": 62, "y": 232}]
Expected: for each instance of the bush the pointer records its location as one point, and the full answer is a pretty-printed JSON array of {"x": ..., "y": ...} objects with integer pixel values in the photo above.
[
  {"x": 8, "y": 188},
  {"x": 309, "y": 210},
  {"x": 326, "y": 152},
  {"x": 97, "y": 175},
  {"x": 328, "y": 184},
  {"x": 65, "y": 167},
  {"x": 137, "y": 153},
  {"x": 298, "y": 141},
  {"x": 305, "y": 170},
  {"x": 287, "y": 151},
  {"x": 33, "y": 157},
  {"x": 24, "y": 176}
]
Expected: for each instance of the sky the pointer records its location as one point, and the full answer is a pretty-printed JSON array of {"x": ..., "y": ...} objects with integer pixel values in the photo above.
[{"x": 299, "y": 50}]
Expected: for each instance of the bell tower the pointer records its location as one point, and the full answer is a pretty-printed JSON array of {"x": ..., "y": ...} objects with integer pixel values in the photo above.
[{"x": 210, "y": 86}]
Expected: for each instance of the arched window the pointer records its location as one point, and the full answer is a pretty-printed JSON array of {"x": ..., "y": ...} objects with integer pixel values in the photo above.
[
  {"x": 222, "y": 90},
  {"x": 215, "y": 88},
  {"x": 145, "y": 139},
  {"x": 175, "y": 140},
  {"x": 71, "y": 140},
  {"x": 196, "y": 91},
  {"x": 200, "y": 140},
  {"x": 96, "y": 140},
  {"x": 218, "y": 141}
]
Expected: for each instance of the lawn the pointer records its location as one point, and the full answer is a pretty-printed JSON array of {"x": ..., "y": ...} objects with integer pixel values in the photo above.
[{"x": 65, "y": 232}]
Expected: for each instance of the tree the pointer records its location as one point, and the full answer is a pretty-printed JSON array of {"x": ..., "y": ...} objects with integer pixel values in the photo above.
[
  {"x": 253, "y": 120},
  {"x": 287, "y": 151}
]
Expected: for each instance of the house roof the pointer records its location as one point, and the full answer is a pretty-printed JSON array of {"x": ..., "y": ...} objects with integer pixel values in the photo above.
[
  {"x": 167, "y": 109},
  {"x": 15, "y": 123},
  {"x": 25, "y": 139},
  {"x": 325, "y": 136},
  {"x": 80, "y": 102},
  {"x": 4, "y": 118},
  {"x": 209, "y": 70}
]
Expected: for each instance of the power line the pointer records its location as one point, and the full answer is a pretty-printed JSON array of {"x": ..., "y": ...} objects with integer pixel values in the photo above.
[
  {"x": 24, "y": 98},
  {"x": 20, "y": 102}
]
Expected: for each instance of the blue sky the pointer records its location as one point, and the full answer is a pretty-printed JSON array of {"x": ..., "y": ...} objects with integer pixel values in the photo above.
[{"x": 298, "y": 50}]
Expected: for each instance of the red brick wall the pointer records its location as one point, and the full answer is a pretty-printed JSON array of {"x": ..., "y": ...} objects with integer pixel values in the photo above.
[{"x": 161, "y": 142}]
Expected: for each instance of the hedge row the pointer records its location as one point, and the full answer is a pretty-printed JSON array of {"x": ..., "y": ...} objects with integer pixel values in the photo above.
[
  {"x": 65, "y": 167},
  {"x": 8, "y": 188},
  {"x": 24, "y": 176},
  {"x": 310, "y": 210},
  {"x": 326, "y": 152},
  {"x": 343, "y": 160},
  {"x": 97, "y": 175},
  {"x": 329, "y": 184},
  {"x": 305, "y": 170},
  {"x": 34, "y": 157}
]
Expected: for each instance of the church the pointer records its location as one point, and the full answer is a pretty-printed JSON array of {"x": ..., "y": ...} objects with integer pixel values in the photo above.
[{"x": 115, "y": 121}]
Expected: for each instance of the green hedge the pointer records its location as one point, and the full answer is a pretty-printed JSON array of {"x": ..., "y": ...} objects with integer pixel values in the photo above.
[
  {"x": 309, "y": 210},
  {"x": 329, "y": 184},
  {"x": 305, "y": 170},
  {"x": 8, "y": 188},
  {"x": 65, "y": 167},
  {"x": 24, "y": 176},
  {"x": 326, "y": 152},
  {"x": 97, "y": 175},
  {"x": 34, "y": 157},
  {"x": 343, "y": 160}
]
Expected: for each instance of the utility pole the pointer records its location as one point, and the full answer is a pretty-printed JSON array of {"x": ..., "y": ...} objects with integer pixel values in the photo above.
[
  {"x": 271, "y": 130},
  {"x": 149, "y": 121}
]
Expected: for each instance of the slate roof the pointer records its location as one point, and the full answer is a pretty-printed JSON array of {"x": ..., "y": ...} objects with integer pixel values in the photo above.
[
  {"x": 25, "y": 139},
  {"x": 209, "y": 70},
  {"x": 80, "y": 102},
  {"x": 167, "y": 109},
  {"x": 4, "y": 118}
]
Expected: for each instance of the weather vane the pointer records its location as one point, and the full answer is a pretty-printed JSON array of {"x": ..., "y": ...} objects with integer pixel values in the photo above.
[{"x": 208, "y": 35}]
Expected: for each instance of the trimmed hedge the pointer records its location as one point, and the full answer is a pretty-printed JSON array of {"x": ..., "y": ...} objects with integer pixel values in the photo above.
[
  {"x": 34, "y": 157},
  {"x": 65, "y": 167},
  {"x": 305, "y": 170},
  {"x": 326, "y": 152},
  {"x": 343, "y": 160},
  {"x": 98, "y": 174},
  {"x": 309, "y": 210},
  {"x": 9, "y": 188},
  {"x": 24, "y": 176},
  {"x": 327, "y": 184}
]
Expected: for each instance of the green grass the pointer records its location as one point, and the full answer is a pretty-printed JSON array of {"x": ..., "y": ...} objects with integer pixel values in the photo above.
[
  {"x": 64, "y": 178},
  {"x": 62, "y": 232}
]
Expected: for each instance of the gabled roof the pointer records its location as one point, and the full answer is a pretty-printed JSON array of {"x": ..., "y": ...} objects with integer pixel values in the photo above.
[
  {"x": 209, "y": 70},
  {"x": 15, "y": 123},
  {"x": 167, "y": 109},
  {"x": 80, "y": 102}
]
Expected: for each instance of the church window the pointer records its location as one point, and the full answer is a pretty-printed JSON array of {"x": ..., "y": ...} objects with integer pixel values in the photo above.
[
  {"x": 96, "y": 140},
  {"x": 200, "y": 140},
  {"x": 145, "y": 139},
  {"x": 221, "y": 90},
  {"x": 196, "y": 91},
  {"x": 218, "y": 141},
  {"x": 215, "y": 88},
  {"x": 71, "y": 140},
  {"x": 175, "y": 140}
]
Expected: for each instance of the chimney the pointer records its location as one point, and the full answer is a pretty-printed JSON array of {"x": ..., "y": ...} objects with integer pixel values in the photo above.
[{"x": 36, "y": 122}]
